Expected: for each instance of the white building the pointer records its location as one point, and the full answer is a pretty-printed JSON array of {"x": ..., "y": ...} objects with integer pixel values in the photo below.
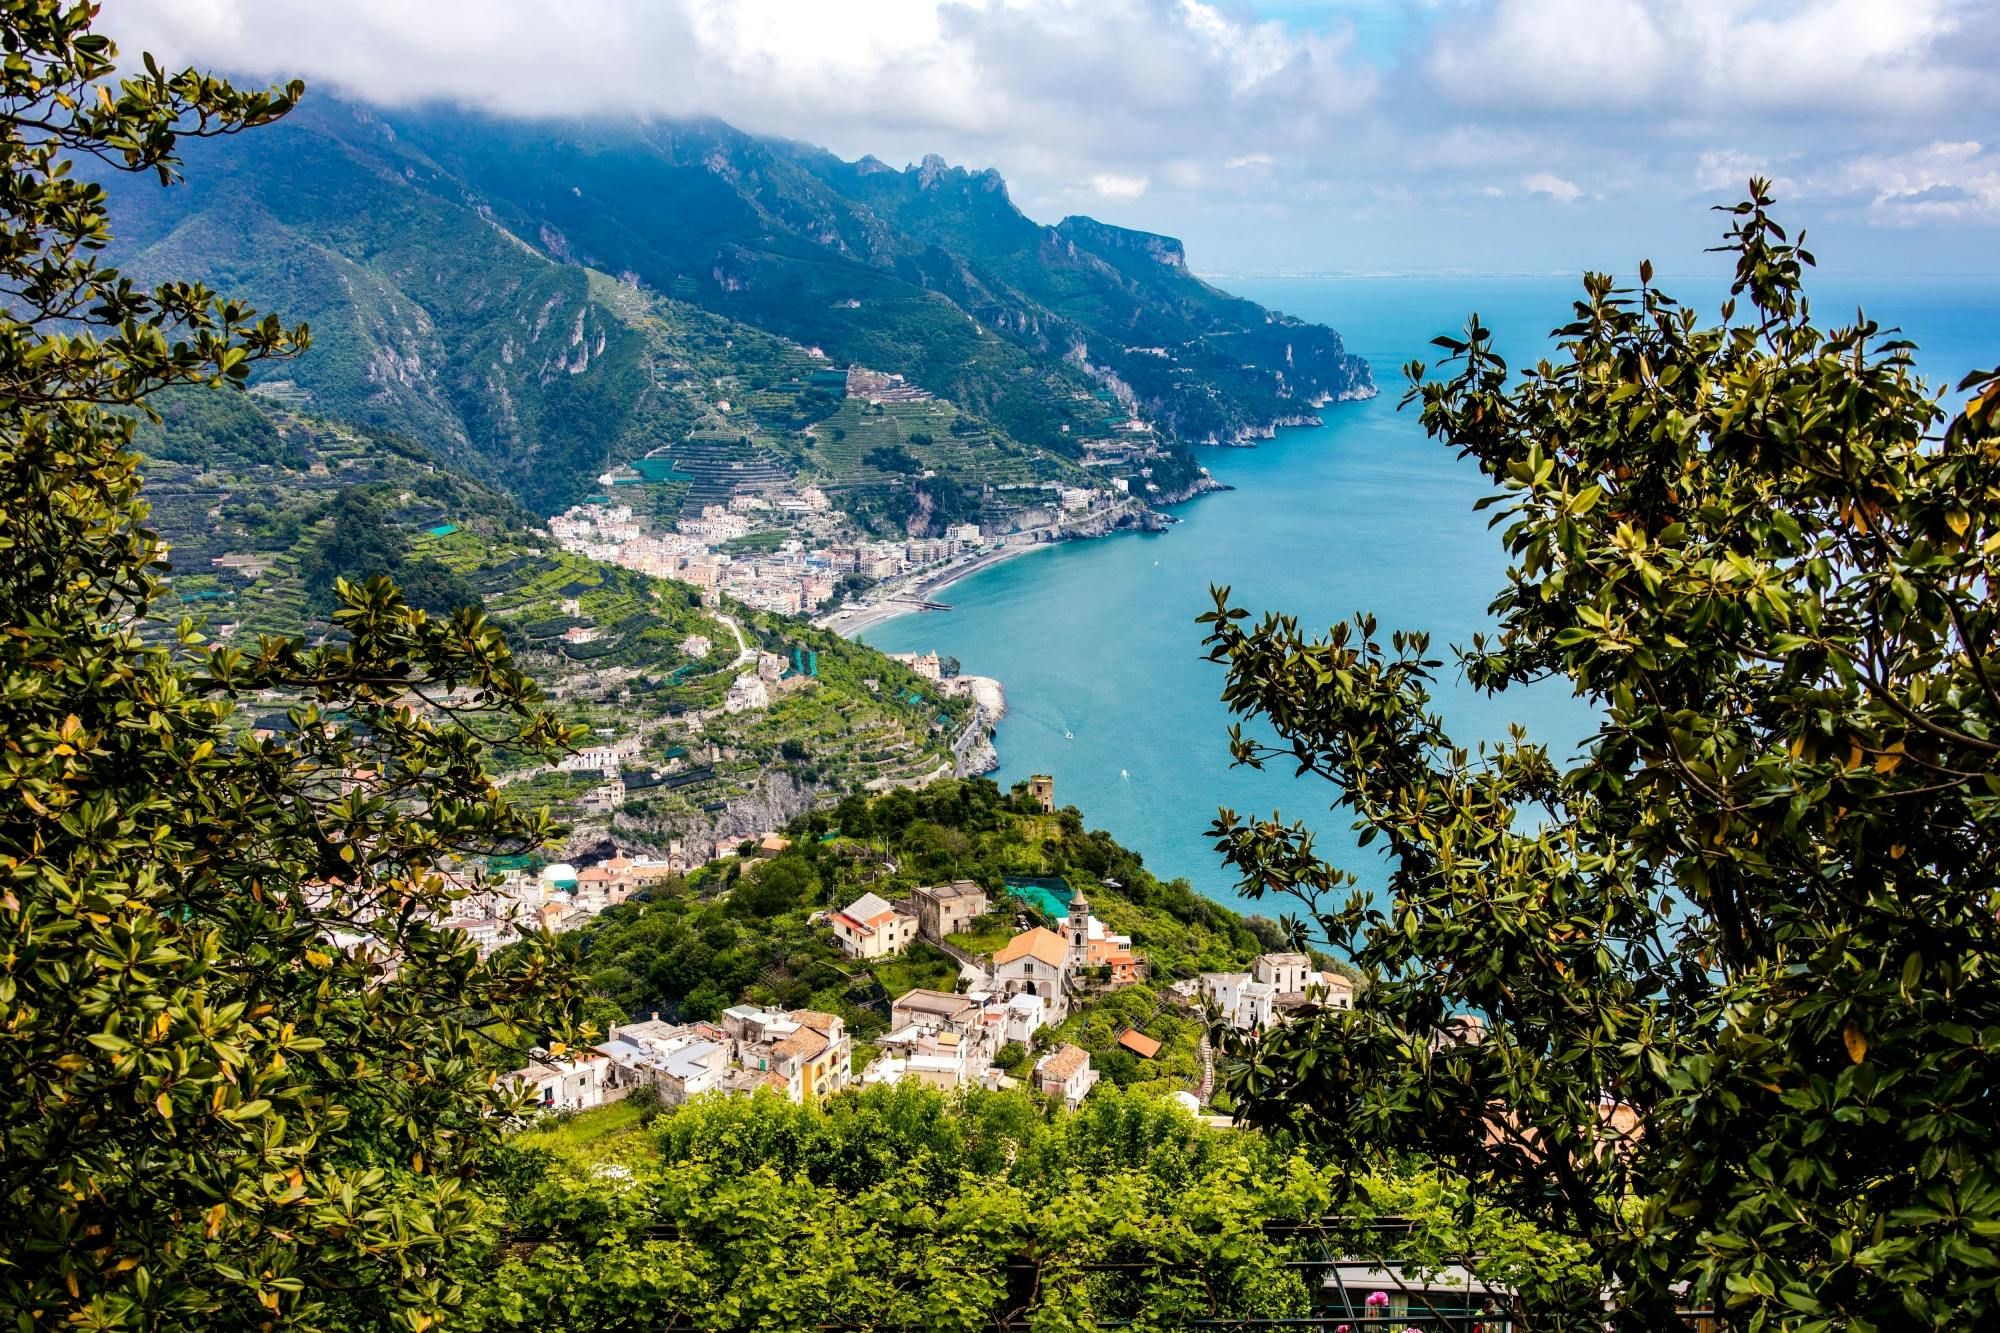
[
  {"x": 564, "y": 1085},
  {"x": 1035, "y": 962},
  {"x": 679, "y": 1061},
  {"x": 870, "y": 927},
  {"x": 746, "y": 694},
  {"x": 1065, "y": 1072},
  {"x": 1276, "y": 984}
]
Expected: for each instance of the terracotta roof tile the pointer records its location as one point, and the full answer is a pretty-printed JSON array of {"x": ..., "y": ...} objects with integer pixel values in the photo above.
[{"x": 1041, "y": 944}]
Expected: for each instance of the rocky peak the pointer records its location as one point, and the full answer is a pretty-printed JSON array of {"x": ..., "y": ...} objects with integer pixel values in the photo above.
[{"x": 1104, "y": 238}]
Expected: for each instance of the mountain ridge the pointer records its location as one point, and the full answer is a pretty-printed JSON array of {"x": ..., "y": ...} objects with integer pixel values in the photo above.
[{"x": 443, "y": 258}]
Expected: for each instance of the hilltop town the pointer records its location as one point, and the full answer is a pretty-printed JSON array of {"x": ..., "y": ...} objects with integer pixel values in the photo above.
[{"x": 951, "y": 984}]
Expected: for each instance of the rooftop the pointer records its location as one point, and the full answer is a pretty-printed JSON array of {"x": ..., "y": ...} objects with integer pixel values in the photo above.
[
  {"x": 1063, "y": 1063},
  {"x": 868, "y": 910},
  {"x": 960, "y": 888},
  {"x": 1042, "y": 945},
  {"x": 1139, "y": 1043}
]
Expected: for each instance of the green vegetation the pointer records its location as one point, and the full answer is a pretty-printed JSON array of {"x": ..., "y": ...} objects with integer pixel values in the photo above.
[
  {"x": 258, "y": 545},
  {"x": 741, "y": 931},
  {"x": 1736, "y": 961},
  {"x": 212, "y": 1113},
  {"x": 441, "y": 274},
  {"x": 905, "y": 1208}
]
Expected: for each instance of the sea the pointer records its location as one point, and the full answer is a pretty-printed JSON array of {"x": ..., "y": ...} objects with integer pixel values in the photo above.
[{"x": 1096, "y": 643}]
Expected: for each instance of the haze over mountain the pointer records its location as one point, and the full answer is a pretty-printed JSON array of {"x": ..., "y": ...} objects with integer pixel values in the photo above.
[{"x": 493, "y": 285}]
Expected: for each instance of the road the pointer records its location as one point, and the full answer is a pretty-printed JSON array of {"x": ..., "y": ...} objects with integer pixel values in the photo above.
[{"x": 745, "y": 654}]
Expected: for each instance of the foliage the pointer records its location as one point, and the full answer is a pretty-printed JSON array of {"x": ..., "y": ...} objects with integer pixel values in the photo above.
[
  {"x": 907, "y": 1208},
  {"x": 741, "y": 931},
  {"x": 245, "y": 1077},
  {"x": 1735, "y": 965}
]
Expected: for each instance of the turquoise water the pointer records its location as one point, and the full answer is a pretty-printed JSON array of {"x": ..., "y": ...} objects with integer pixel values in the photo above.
[{"x": 1096, "y": 643}]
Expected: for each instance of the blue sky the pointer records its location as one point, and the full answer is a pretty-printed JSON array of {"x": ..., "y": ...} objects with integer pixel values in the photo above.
[{"x": 1294, "y": 136}]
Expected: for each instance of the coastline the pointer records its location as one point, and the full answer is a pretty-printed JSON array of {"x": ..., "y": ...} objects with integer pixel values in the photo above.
[
  {"x": 907, "y": 601},
  {"x": 849, "y": 621}
]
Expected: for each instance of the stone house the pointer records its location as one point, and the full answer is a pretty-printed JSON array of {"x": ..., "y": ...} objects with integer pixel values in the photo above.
[
  {"x": 1065, "y": 1072},
  {"x": 947, "y": 909}
]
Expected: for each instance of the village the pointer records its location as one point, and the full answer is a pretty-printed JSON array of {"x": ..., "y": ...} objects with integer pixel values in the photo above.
[
  {"x": 1011, "y": 997},
  {"x": 808, "y": 556}
]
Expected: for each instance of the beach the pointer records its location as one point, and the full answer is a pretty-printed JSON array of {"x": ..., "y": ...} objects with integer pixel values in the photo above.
[{"x": 905, "y": 595}]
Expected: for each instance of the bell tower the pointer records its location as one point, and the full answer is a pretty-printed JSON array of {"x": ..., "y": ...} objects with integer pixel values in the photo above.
[{"x": 1079, "y": 931}]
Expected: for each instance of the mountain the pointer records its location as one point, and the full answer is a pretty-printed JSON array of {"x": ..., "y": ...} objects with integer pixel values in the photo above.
[
  {"x": 264, "y": 506},
  {"x": 539, "y": 301}
]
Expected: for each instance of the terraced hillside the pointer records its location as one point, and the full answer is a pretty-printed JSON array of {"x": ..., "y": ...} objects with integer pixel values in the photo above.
[{"x": 638, "y": 662}]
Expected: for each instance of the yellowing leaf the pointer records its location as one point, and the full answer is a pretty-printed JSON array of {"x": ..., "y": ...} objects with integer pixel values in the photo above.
[{"x": 1856, "y": 1043}]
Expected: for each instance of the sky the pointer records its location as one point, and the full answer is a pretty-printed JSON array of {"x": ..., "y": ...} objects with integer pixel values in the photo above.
[{"x": 1296, "y": 136}]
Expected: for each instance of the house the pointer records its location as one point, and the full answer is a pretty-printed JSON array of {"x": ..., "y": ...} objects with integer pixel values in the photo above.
[
  {"x": 1239, "y": 1000},
  {"x": 1287, "y": 973},
  {"x": 947, "y": 909},
  {"x": 935, "y": 1009},
  {"x": 486, "y": 933},
  {"x": 869, "y": 927},
  {"x": 682, "y": 1062},
  {"x": 1065, "y": 1072},
  {"x": 1139, "y": 1043},
  {"x": 606, "y": 797},
  {"x": 802, "y": 1052},
  {"x": 817, "y": 1059},
  {"x": 1035, "y": 962},
  {"x": 1017, "y": 1017},
  {"x": 1276, "y": 985},
  {"x": 564, "y": 1085},
  {"x": 1335, "y": 991},
  {"x": 746, "y": 694},
  {"x": 936, "y": 1057},
  {"x": 771, "y": 844}
]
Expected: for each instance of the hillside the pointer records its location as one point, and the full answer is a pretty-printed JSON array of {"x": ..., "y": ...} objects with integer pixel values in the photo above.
[
  {"x": 539, "y": 302},
  {"x": 753, "y": 932},
  {"x": 264, "y": 507}
]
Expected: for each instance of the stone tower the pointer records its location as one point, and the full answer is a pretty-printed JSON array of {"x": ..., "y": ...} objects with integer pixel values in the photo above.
[
  {"x": 1042, "y": 787},
  {"x": 1078, "y": 931}
]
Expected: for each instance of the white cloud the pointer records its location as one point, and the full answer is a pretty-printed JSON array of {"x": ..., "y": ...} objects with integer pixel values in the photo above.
[
  {"x": 1175, "y": 114},
  {"x": 1953, "y": 182},
  {"x": 1113, "y": 186},
  {"x": 1060, "y": 88},
  {"x": 1728, "y": 170},
  {"x": 1710, "y": 57},
  {"x": 1555, "y": 187}
]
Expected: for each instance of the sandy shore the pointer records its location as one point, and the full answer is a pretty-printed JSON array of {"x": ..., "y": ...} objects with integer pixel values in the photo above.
[{"x": 903, "y": 599}]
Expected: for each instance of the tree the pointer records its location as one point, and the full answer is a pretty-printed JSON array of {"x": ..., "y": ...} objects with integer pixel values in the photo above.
[
  {"x": 1719, "y": 997},
  {"x": 247, "y": 1078}
]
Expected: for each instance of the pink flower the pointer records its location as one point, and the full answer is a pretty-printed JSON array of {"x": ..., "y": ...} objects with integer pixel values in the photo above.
[{"x": 1378, "y": 1298}]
